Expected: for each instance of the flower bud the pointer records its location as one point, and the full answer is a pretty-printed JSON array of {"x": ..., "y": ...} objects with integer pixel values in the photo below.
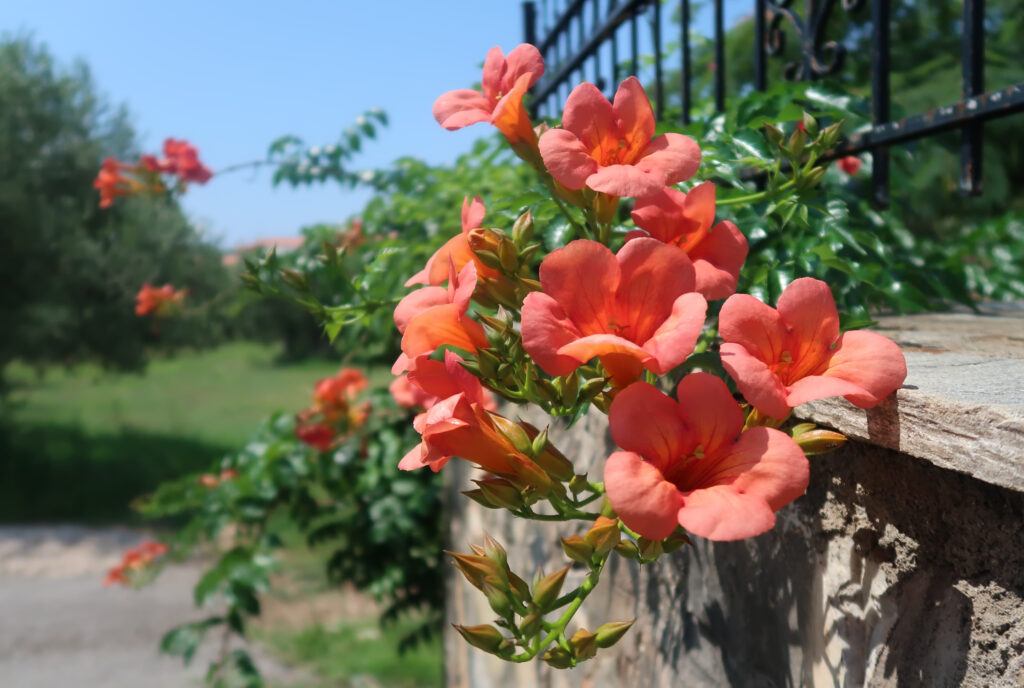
[
  {"x": 558, "y": 658},
  {"x": 811, "y": 179},
  {"x": 520, "y": 590},
  {"x": 800, "y": 429},
  {"x": 578, "y": 484},
  {"x": 820, "y": 441},
  {"x": 773, "y": 133},
  {"x": 495, "y": 552},
  {"x": 295, "y": 279},
  {"x": 498, "y": 599},
  {"x": 675, "y": 541},
  {"x": 810, "y": 125},
  {"x": 583, "y": 645},
  {"x": 577, "y": 549},
  {"x": 570, "y": 389},
  {"x": 627, "y": 550},
  {"x": 830, "y": 136},
  {"x": 546, "y": 590},
  {"x": 479, "y": 497},
  {"x": 485, "y": 637},
  {"x": 591, "y": 388},
  {"x": 508, "y": 256},
  {"x": 650, "y": 549},
  {"x": 530, "y": 625},
  {"x": 610, "y": 633},
  {"x": 483, "y": 239},
  {"x": 500, "y": 493},
  {"x": 539, "y": 443},
  {"x": 796, "y": 144},
  {"x": 603, "y": 535},
  {"x": 475, "y": 568},
  {"x": 522, "y": 230},
  {"x": 513, "y": 431}
]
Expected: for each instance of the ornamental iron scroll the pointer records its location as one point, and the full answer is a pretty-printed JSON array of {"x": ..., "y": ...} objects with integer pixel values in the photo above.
[{"x": 818, "y": 57}]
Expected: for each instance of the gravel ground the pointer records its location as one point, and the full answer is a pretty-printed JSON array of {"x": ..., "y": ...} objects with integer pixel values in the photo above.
[{"x": 59, "y": 626}]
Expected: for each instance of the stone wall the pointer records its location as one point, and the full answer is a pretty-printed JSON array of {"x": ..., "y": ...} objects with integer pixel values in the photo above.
[{"x": 902, "y": 565}]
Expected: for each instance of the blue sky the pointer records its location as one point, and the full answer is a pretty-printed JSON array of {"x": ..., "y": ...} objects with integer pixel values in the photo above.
[{"x": 232, "y": 76}]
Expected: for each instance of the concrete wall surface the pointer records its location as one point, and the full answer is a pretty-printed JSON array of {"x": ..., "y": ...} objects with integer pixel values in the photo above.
[{"x": 902, "y": 565}]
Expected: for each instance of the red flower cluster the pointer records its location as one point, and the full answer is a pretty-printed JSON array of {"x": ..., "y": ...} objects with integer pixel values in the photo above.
[
  {"x": 333, "y": 413},
  {"x": 691, "y": 461},
  {"x": 209, "y": 480},
  {"x": 134, "y": 561},
  {"x": 160, "y": 301},
  {"x": 181, "y": 160}
]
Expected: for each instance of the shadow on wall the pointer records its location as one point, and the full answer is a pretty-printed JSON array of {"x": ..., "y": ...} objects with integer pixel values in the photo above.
[{"x": 888, "y": 572}]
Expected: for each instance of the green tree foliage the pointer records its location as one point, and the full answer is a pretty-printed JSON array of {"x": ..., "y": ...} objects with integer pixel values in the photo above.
[{"x": 69, "y": 270}]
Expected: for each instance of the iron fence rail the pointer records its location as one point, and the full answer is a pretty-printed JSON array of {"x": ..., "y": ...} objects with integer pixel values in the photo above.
[{"x": 572, "y": 33}]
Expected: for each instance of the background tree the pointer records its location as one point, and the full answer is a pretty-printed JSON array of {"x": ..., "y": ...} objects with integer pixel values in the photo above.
[{"x": 69, "y": 270}]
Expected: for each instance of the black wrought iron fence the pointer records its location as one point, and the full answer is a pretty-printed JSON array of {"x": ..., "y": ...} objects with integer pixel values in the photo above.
[{"x": 600, "y": 40}]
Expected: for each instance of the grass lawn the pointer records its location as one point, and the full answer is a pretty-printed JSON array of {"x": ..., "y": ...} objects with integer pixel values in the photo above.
[
  {"x": 341, "y": 653},
  {"x": 79, "y": 444},
  {"x": 334, "y": 633}
]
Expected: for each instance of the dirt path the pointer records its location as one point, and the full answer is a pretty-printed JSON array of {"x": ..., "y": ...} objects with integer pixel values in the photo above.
[{"x": 60, "y": 627}]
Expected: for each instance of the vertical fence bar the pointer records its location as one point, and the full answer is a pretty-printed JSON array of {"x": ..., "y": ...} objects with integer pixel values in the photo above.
[
  {"x": 973, "y": 85},
  {"x": 581, "y": 39},
  {"x": 634, "y": 55},
  {"x": 684, "y": 44},
  {"x": 530, "y": 22},
  {"x": 880, "y": 98},
  {"x": 659, "y": 99},
  {"x": 719, "y": 56},
  {"x": 760, "y": 68},
  {"x": 596, "y": 21}
]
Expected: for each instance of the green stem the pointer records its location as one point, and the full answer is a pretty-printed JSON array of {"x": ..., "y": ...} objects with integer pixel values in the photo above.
[
  {"x": 558, "y": 628},
  {"x": 754, "y": 198},
  {"x": 581, "y": 231}
]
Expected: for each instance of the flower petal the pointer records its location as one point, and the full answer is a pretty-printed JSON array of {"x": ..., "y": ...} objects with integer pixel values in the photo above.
[
  {"x": 755, "y": 380},
  {"x": 713, "y": 417},
  {"x": 625, "y": 181},
  {"x": 809, "y": 312},
  {"x": 764, "y": 462},
  {"x": 820, "y": 387},
  {"x": 582, "y": 277},
  {"x": 662, "y": 215},
  {"x": 717, "y": 260},
  {"x": 566, "y": 158},
  {"x": 653, "y": 276},
  {"x": 416, "y": 302},
  {"x": 546, "y": 328},
  {"x": 640, "y": 495},
  {"x": 674, "y": 340},
  {"x": 590, "y": 117},
  {"x": 722, "y": 514},
  {"x": 674, "y": 156},
  {"x": 871, "y": 361},
  {"x": 495, "y": 67},
  {"x": 523, "y": 59},
  {"x": 646, "y": 421},
  {"x": 457, "y": 109},
  {"x": 440, "y": 326},
  {"x": 510, "y": 115},
  {"x": 753, "y": 325},
  {"x": 586, "y": 348},
  {"x": 635, "y": 117},
  {"x": 472, "y": 213},
  {"x": 699, "y": 206}
]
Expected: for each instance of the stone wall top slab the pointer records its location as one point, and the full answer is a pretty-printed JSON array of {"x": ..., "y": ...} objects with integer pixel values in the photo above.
[{"x": 962, "y": 406}]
